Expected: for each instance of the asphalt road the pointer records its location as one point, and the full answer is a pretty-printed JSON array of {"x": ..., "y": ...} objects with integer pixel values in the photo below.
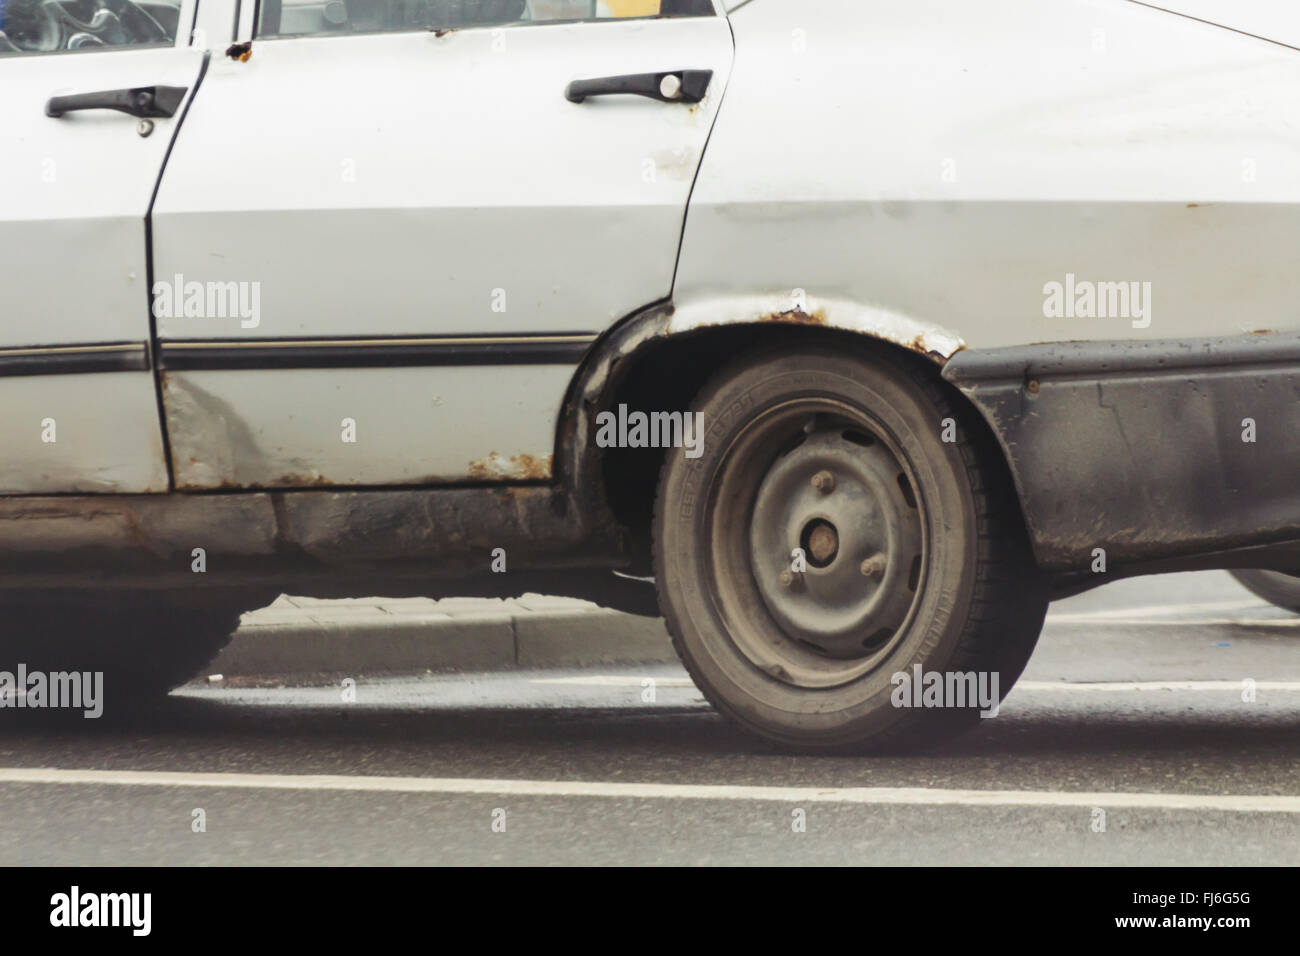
[{"x": 1132, "y": 705}]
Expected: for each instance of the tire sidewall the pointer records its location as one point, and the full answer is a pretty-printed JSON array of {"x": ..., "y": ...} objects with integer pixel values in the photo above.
[{"x": 862, "y": 707}]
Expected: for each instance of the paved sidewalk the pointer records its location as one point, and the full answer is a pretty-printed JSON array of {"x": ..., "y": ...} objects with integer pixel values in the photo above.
[{"x": 297, "y": 636}]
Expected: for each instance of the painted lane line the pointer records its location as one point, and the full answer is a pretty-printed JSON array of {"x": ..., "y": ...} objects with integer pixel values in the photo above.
[
  {"x": 615, "y": 680},
  {"x": 1258, "y": 622},
  {"x": 621, "y": 680},
  {"x": 1233, "y": 685},
  {"x": 1162, "y": 610},
  {"x": 893, "y": 796}
]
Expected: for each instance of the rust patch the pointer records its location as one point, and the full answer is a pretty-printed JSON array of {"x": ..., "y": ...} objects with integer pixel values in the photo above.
[
  {"x": 537, "y": 468},
  {"x": 300, "y": 481},
  {"x": 922, "y": 347},
  {"x": 240, "y": 51},
  {"x": 515, "y": 468},
  {"x": 796, "y": 317},
  {"x": 283, "y": 481}
]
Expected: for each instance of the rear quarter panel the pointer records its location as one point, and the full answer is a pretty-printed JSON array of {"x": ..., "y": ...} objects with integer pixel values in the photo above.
[{"x": 936, "y": 164}]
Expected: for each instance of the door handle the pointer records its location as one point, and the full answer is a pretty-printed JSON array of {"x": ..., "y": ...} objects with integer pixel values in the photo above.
[
  {"x": 144, "y": 101},
  {"x": 673, "y": 86}
]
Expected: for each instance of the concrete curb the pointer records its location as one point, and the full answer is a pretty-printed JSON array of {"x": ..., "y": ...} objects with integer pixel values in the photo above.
[{"x": 297, "y": 637}]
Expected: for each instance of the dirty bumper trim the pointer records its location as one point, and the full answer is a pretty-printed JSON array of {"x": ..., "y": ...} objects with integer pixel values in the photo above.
[
  {"x": 75, "y": 359},
  {"x": 560, "y": 349},
  {"x": 1146, "y": 450}
]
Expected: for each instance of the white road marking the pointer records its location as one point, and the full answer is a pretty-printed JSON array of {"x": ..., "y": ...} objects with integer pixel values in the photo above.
[
  {"x": 621, "y": 680},
  {"x": 1161, "y": 610},
  {"x": 1279, "y": 622},
  {"x": 615, "y": 680},
  {"x": 905, "y": 796},
  {"x": 1236, "y": 685},
  {"x": 1168, "y": 615}
]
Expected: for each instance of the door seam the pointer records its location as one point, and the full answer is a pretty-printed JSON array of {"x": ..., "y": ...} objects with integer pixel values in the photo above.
[{"x": 148, "y": 268}]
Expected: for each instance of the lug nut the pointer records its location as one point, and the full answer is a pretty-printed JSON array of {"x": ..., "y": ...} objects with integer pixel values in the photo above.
[
  {"x": 791, "y": 580},
  {"x": 874, "y": 566},
  {"x": 824, "y": 482}
]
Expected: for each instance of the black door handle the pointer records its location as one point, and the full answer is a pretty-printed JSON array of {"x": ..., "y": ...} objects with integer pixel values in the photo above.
[
  {"x": 142, "y": 101},
  {"x": 672, "y": 86}
]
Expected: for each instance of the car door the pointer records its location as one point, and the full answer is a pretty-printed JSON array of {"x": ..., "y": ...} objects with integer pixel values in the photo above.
[
  {"x": 395, "y": 229},
  {"x": 77, "y": 174},
  {"x": 1276, "y": 20}
]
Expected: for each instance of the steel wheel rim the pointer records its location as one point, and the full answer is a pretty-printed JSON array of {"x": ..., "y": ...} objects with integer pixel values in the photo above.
[{"x": 840, "y": 619}]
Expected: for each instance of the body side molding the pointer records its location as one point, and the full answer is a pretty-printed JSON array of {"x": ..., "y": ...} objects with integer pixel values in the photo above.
[
  {"x": 75, "y": 359},
  {"x": 379, "y": 352}
]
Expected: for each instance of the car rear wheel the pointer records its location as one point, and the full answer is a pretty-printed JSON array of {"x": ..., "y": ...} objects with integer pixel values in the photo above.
[
  {"x": 144, "y": 643},
  {"x": 1275, "y": 587},
  {"x": 914, "y": 554}
]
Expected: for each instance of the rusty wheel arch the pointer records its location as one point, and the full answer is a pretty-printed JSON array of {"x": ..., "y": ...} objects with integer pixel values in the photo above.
[{"x": 646, "y": 363}]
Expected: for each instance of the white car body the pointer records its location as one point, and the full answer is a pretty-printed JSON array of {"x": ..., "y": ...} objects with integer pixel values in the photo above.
[{"x": 452, "y": 261}]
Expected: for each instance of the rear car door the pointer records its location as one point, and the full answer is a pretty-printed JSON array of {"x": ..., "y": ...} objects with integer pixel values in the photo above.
[
  {"x": 409, "y": 227},
  {"x": 78, "y": 169},
  {"x": 1276, "y": 20}
]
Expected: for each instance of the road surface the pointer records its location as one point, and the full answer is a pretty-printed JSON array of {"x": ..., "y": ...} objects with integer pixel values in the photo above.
[{"x": 1133, "y": 715}]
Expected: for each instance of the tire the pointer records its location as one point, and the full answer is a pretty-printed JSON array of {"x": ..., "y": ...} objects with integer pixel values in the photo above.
[
  {"x": 1275, "y": 587},
  {"x": 926, "y": 561},
  {"x": 145, "y": 644}
]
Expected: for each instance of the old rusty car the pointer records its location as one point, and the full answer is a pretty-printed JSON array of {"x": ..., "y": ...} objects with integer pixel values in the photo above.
[{"x": 979, "y": 303}]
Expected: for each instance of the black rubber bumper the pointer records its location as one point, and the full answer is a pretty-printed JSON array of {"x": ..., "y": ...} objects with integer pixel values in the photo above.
[{"x": 1145, "y": 449}]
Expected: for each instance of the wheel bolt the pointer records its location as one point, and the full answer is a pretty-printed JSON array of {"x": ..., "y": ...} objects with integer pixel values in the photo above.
[
  {"x": 824, "y": 482},
  {"x": 874, "y": 566},
  {"x": 791, "y": 580}
]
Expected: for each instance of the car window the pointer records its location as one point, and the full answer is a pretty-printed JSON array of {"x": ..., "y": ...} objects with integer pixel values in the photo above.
[
  {"x": 337, "y": 17},
  {"x": 55, "y": 26}
]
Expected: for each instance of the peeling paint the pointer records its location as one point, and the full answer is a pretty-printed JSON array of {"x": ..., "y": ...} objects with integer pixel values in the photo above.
[
  {"x": 292, "y": 480},
  {"x": 796, "y": 317},
  {"x": 677, "y": 163},
  {"x": 515, "y": 468},
  {"x": 931, "y": 340},
  {"x": 209, "y": 441}
]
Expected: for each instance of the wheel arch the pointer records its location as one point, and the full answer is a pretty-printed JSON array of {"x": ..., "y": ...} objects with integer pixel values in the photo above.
[{"x": 659, "y": 358}]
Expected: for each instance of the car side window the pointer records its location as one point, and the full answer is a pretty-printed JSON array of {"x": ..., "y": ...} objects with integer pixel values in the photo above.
[
  {"x": 289, "y": 18},
  {"x": 54, "y": 26}
]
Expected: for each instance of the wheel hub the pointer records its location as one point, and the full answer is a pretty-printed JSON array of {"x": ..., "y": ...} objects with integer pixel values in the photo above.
[
  {"x": 835, "y": 539},
  {"x": 821, "y": 542}
]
